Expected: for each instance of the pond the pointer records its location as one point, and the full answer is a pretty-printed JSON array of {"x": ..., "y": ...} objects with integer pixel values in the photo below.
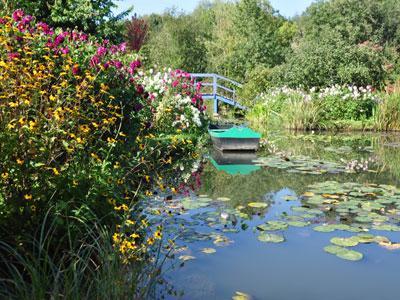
[{"x": 317, "y": 216}]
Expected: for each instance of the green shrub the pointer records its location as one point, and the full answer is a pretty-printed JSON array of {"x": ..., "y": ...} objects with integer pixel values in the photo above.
[{"x": 387, "y": 113}]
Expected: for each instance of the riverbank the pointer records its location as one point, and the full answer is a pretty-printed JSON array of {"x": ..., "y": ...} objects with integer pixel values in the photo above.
[{"x": 344, "y": 108}]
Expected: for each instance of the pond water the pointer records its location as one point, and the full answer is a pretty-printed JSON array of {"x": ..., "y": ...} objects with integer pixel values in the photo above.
[{"x": 260, "y": 225}]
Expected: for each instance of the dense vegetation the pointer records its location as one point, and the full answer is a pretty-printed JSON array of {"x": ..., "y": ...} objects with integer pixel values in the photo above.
[
  {"x": 85, "y": 133},
  {"x": 337, "y": 42}
]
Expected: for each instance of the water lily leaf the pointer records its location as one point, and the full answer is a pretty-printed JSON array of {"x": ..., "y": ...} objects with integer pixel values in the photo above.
[
  {"x": 241, "y": 296},
  {"x": 270, "y": 238},
  {"x": 386, "y": 227},
  {"x": 365, "y": 238},
  {"x": 308, "y": 194},
  {"x": 290, "y": 198},
  {"x": 208, "y": 250},
  {"x": 343, "y": 253},
  {"x": 325, "y": 228},
  {"x": 223, "y": 199},
  {"x": 186, "y": 257},
  {"x": 345, "y": 242},
  {"x": 298, "y": 223},
  {"x": 350, "y": 255},
  {"x": 273, "y": 226},
  {"x": 258, "y": 204},
  {"x": 389, "y": 245}
]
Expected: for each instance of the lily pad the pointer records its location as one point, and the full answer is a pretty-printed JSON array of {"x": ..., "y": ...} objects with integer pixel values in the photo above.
[
  {"x": 270, "y": 238},
  {"x": 345, "y": 242},
  {"x": 223, "y": 199},
  {"x": 186, "y": 257},
  {"x": 208, "y": 250},
  {"x": 241, "y": 296},
  {"x": 298, "y": 223},
  {"x": 257, "y": 204},
  {"x": 343, "y": 253}
]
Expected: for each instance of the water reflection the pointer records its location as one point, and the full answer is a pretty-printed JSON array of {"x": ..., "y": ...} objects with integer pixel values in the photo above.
[{"x": 234, "y": 162}]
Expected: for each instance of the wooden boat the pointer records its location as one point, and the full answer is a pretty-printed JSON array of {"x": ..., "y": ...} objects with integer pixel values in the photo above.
[{"x": 234, "y": 138}]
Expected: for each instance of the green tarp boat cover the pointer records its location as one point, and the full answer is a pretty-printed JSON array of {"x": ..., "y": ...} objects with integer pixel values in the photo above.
[
  {"x": 235, "y": 169},
  {"x": 235, "y": 132}
]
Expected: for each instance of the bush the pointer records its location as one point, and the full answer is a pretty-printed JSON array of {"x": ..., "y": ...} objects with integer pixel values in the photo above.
[
  {"x": 314, "y": 109},
  {"x": 387, "y": 113},
  {"x": 80, "y": 133},
  {"x": 331, "y": 60}
]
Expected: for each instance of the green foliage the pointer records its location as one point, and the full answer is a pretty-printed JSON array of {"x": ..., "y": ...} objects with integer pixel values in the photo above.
[
  {"x": 91, "y": 16},
  {"x": 355, "y": 21},
  {"x": 257, "y": 81},
  {"x": 387, "y": 114},
  {"x": 330, "y": 60},
  {"x": 178, "y": 43}
]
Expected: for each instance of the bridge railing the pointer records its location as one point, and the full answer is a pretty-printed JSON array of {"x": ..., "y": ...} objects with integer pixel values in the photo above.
[{"x": 219, "y": 88}]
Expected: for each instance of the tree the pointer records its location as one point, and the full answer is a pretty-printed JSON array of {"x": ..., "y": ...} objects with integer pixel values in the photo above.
[
  {"x": 177, "y": 43},
  {"x": 136, "y": 32},
  {"x": 91, "y": 16}
]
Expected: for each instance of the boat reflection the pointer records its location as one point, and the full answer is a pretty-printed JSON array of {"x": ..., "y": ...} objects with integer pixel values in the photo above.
[{"x": 234, "y": 162}]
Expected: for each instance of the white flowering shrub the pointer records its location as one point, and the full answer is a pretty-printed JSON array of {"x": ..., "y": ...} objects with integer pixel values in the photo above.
[
  {"x": 336, "y": 102},
  {"x": 176, "y": 100}
]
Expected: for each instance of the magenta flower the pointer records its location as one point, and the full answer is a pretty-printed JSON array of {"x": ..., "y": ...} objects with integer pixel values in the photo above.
[
  {"x": 175, "y": 83},
  {"x": 17, "y": 15},
  {"x": 65, "y": 50},
  {"x": 94, "y": 61},
  {"x": 83, "y": 37},
  {"x": 140, "y": 89},
  {"x": 75, "y": 70},
  {"x": 13, "y": 55},
  {"x": 3, "y": 21},
  {"x": 133, "y": 66},
  {"x": 101, "y": 51},
  {"x": 26, "y": 20},
  {"x": 117, "y": 64},
  {"x": 45, "y": 28},
  {"x": 122, "y": 47}
]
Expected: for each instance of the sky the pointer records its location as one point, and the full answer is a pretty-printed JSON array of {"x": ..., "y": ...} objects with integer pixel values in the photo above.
[{"x": 287, "y": 8}]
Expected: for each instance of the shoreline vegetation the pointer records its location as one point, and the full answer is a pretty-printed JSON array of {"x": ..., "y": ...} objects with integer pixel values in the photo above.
[{"x": 86, "y": 134}]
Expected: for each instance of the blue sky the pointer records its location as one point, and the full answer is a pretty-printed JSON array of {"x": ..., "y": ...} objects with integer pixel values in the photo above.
[{"x": 287, "y": 8}]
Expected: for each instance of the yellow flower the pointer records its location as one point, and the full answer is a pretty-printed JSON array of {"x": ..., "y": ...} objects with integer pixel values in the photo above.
[
  {"x": 84, "y": 128},
  {"x": 134, "y": 235},
  {"x": 20, "y": 161},
  {"x": 130, "y": 222},
  {"x": 4, "y": 176},
  {"x": 174, "y": 190},
  {"x": 21, "y": 121},
  {"x": 158, "y": 235},
  {"x": 120, "y": 181},
  {"x": 117, "y": 165},
  {"x": 33, "y": 207},
  {"x": 52, "y": 98},
  {"x": 116, "y": 238},
  {"x": 150, "y": 241},
  {"x": 145, "y": 223},
  {"x": 28, "y": 197},
  {"x": 56, "y": 172},
  {"x": 111, "y": 201},
  {"x": 32, "y": 125},
  {"x": 147, "y": 177}
]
